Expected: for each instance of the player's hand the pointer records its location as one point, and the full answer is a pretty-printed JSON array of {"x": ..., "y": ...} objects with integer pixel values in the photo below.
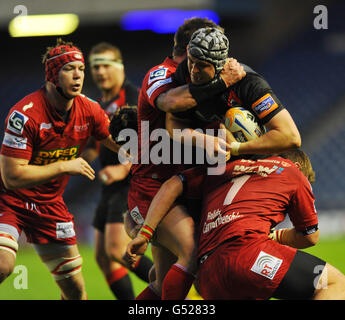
[
  {"x": 229, "y": 136},
  {"x": 272, "y": 234},
  {"x": 216, "y": 148},
  {"x": 232, "y": 72},
  {"x": 78, "y": 166},
  {"x": 135, "y": 248}
]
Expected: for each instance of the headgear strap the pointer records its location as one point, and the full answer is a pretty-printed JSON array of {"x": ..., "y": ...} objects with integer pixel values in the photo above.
[
  {"x": 104, "y": 59},
  {"x": 57, "y": 58}
]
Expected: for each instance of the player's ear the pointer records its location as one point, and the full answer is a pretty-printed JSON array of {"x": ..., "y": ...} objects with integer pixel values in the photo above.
[{"x": 298, "y": 165}]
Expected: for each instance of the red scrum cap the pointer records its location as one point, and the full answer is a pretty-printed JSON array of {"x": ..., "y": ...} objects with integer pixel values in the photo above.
[{"x": 57, "y": 58}]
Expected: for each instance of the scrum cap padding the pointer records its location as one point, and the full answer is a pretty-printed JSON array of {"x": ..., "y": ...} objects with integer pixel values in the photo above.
[{"x": 211, "y": 45}]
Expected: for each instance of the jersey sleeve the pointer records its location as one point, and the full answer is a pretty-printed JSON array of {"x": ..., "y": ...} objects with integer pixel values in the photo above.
[
  {"x": 157, "y": 81},
  {"x": 19, "y": 136},
  {"x": 302, "y": 211},
  {"x": 101, "y": 123},
  {"x": 254, "y": 92},
  {"x": 192, "y": 180}
]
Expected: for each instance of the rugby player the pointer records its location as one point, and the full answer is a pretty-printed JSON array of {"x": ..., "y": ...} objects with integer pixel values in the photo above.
[
  {"x": 210, "y": 49},
  {"x": 148, "y": 177},
  {"x": 207, "y": 53},
  {"x": 45, "y": 133},
  {"x": 238, "y": 256},
  {"x": 111, "y": 239}
]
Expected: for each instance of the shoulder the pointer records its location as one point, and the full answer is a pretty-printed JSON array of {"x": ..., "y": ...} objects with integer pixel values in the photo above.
[
  {"x": 160, "y": 72},
  {"x": 30, "y": 109}
]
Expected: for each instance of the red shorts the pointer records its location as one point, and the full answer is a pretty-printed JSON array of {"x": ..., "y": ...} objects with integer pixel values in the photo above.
[
  {"x": 42, "y": 223},
  {"x": 141, "y": 192},
  {"x": 250, "y": 267}
]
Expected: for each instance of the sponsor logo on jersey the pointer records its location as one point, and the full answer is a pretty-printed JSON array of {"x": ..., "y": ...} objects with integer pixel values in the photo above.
[
  {"x": 13, "y": 141},
  {"x": 264, "y": 106},
  {"x": 157, "y": 75},
  {"x": 82, "y": 127},
  {"x": 46, "y": 126},
  {"x": 60, "y": 154},
  {"x": 157, "y": 85},
  {"x": 16, "y": 122},
  {"x": 28, "y": 106},
  {"x": 216, "y": 219},
  {"x": 260, "y": 170},
  {"x": 64, "y": 230},
  {"x": 266, "y": 265},
  {"x": 136, "y": 216}
]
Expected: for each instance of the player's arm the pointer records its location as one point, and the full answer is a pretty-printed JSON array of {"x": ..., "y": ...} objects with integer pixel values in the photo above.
[
  {"x": 18, "y": 173},
  {"x": 91, "y": 152},
  {"x": 176, "y": 100},
  {"x": 110, "y": 144},
  {"x": 113, "y": 173},
  {"x": 187, "y": 96},
  {"x": 282, "y": 135},
  {"x": 159, "y": 207},
  {"x": 294, "y": 238},
  {"x": 302, "y": 213},
  {"x": 180, "y": 130}
]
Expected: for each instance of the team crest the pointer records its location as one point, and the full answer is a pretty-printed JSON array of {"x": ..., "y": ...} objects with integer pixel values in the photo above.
[
  {"x": 157, "y": 75},
  {"x": 16, "y": 122}
]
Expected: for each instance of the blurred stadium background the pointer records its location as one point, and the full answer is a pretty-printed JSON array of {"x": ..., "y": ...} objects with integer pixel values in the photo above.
[{"x": 305, "y": 67}]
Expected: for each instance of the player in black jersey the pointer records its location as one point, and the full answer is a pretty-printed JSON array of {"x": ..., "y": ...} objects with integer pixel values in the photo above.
[
  {"x": 110, "y": 237},
  {"x": 207, "y": 53}
]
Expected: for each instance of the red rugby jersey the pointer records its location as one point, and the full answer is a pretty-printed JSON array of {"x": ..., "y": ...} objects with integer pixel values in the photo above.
[
  {"x": 36, "y": 132},
  {"x": 157, "y": 80},
  {"x": 249, "y": 196}
]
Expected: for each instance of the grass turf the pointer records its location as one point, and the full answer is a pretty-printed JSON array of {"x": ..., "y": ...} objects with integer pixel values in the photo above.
[{"x": 40, "y": 284}]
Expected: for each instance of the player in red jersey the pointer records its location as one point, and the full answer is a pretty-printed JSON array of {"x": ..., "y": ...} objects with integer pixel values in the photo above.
[
  {"x": 148, "y": 176},
  {"x": 111, "y": 239},
  {"x": 45, "y": 133},
  {"x": 238, "y": 259}
]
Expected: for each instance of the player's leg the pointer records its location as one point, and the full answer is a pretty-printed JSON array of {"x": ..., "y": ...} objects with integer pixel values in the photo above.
[
  {"x": 309, "y": 277},
  {"x": 176, "y": 232},
  {"x": 115, "y": 273},
  {"x": 331, "y": 285},
  {"x": 163, "y": 260},
  {"x": 64, "y": 262},
  {"x": 116, "y": 240},
  {"x": 8, "y": 250}
]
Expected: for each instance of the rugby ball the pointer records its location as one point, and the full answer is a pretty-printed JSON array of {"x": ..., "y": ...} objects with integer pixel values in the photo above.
[{"x": 243, "y": 124}]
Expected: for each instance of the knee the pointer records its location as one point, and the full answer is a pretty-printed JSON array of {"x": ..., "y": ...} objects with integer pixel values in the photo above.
[
  {"x": 6, "y": 267},
  {"x": 76, "y": 291},
  {"x": 152, "y": 274},
  {"x": 8, "y": 252}
]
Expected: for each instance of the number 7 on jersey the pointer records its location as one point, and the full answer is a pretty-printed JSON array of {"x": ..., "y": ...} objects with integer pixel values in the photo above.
[{"x": 238, "y": 182}]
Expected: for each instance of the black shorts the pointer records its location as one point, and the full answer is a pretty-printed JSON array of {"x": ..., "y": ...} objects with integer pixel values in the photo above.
[
  {"x": 300, "y": 280},
  {"x": 112, "y": 206}
]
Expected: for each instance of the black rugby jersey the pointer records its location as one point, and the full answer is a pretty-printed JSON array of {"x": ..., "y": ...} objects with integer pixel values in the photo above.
[
  {"x": 128, "y": 95},
  {"x": 252, "y": 93}
]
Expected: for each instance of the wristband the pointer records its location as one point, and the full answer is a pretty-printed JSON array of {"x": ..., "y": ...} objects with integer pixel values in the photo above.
[
  {"x": 235, "y": 147},
  {"x": 203, "y": 92},
  {"x": 278, "y": 235},
  {"x": 147, "y": 232}
]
